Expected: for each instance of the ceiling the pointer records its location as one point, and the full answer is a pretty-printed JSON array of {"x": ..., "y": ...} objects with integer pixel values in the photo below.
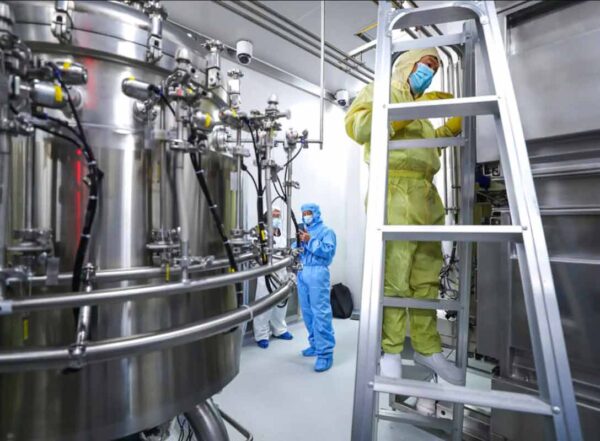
[{"x": 342, "y": 20}]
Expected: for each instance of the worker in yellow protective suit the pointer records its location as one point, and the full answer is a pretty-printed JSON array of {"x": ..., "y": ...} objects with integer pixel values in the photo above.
[{"x": 412, "y": 268}]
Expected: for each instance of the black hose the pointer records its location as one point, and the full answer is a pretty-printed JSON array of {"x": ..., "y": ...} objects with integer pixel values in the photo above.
[
  {"x": 262, "y": 234},
  {"x": 95, "y": 178},
  {"x": 196, "y": 159}
]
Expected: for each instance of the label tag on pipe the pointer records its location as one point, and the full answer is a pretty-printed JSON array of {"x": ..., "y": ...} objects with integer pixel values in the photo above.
[
  {"x": 5, "y": 307},
  {"x": 233, "y": 181}
]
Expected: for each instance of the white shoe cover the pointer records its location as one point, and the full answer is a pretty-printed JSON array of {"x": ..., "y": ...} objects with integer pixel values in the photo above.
[
  {"x": 391, "y": 366},
  {"x": 426, "y": 407},
  {"x": 438, "y": 364}
]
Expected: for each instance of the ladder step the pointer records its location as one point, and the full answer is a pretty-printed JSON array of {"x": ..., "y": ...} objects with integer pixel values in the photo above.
[
  {"x": 415, "y": 419},
  {"x": 477, "y": 105},
  {"x": 429, "y": 15},
  {"x": 495, "y": 399},
  {"x": 408, "y": 302},
  {"x": 460, "y": 233},
  {"x": 399, "y": 45},
  {"x": 404, "y": 144}
]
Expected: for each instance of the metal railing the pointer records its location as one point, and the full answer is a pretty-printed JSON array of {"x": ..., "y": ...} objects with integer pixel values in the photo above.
[
  {"x": 94, "y": 352},
  {"x": 76, "y": 300}
]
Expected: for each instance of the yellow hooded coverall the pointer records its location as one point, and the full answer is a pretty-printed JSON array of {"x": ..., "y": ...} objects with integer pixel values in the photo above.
[{"x": 412, "y": 268}]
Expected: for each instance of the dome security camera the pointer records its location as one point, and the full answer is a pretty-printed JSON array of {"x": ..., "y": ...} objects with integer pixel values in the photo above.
[
  {"x": 243, "y": 50},
  {"x": 342, "y": 97}
]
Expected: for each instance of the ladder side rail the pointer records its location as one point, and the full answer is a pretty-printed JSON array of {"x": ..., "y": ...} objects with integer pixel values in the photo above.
[
  {"x": 465, "y": 249},
  {"x": 554, "y": 377},
  {"x": 365, "y": 398}
]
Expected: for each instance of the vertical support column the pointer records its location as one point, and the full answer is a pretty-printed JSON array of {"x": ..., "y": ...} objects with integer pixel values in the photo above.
[
  {"x": 322, "y": 77},
  {"x": 184, "y": 232},
  {"x": 163, "y": 183},
  {"x": 268, "y": 194},
  {"x": 289, "y": 189},
  {"x": 468, "y": 162},
  {"x": 4, "y": 192},
  {"x": 369, "y": 336},
  {"x": 239, "y": 200}
]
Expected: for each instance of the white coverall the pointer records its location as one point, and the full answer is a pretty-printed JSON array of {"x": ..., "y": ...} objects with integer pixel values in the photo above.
[{"x": 275, "y": 317}]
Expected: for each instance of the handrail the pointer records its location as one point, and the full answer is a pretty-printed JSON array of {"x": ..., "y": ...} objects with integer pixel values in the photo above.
[
  {"x": 95, "y": 352},
  {"x": 76, "y": 300},
  {"x": 142, "y": 272}
]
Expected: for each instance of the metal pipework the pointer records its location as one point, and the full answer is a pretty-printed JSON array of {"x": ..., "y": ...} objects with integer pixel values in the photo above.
[
  {"x": 142, "y": 272},
  {"x": 98, "y": 297},
  {"x": 184, "y": 233},
  {"x": 60, "y": 357},
  {"x": 350, "y": 67},
  {"x": 206, "y": 422}
]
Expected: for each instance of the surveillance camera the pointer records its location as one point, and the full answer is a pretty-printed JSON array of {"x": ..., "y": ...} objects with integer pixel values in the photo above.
[
  {"x": 342, "y": 97},
  {"x": 244, "y": 51}
]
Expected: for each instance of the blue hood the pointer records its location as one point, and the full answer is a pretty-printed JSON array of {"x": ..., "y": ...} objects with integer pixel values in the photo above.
[{"x": 316, "y": 211}]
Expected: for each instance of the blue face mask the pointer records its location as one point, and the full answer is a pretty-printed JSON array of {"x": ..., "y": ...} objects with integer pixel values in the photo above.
[
  {"x": 308, "y": 219},
  {"x": 277, "y": 223},
  {"x": 421, "y": 79}
]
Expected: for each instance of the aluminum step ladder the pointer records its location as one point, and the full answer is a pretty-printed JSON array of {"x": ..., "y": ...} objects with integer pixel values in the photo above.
[{"x": 556, "y": 398}]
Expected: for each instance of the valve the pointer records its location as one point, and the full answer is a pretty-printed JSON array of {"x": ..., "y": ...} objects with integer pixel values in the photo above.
[
  {"x": 62, "y": 24},
  {"x": 47, "y": 94},
  {"x": 234, "y": 88},
  {"x": 213, "y": 68}
]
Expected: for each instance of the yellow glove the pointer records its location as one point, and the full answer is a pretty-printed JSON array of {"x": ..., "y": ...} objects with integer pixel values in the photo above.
[
  {"x": 428, "y": 96},
  {"x": 454, "y": 124}
]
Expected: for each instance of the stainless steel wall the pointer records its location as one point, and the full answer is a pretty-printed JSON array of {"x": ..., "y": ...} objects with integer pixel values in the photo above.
[
  {"x": 553, "y": 50},
  {"x": 113, "y": 399}
]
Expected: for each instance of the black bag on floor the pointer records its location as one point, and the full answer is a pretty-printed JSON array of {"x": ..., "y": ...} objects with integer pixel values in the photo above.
[{"x": 341, "y": 301}]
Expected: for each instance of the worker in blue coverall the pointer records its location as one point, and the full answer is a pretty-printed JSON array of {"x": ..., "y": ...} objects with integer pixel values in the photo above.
[{"x": 318, "y": 243}]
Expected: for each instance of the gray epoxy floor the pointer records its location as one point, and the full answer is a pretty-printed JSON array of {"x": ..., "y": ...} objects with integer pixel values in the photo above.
[{"x": 278, "y": 396}]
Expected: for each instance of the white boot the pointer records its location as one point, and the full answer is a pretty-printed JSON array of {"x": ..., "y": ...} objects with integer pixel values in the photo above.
[
  {"x": 438, "y": 364},
  {"x": 391, "y": 366},
  {"x": 426, "y": 407}
]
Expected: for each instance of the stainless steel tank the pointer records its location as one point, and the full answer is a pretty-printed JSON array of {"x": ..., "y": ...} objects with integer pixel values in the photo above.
[{"x": 112, "y": 399}]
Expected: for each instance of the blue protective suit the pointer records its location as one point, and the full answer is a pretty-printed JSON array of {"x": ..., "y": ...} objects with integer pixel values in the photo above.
[{"x": 314, "y": 284}]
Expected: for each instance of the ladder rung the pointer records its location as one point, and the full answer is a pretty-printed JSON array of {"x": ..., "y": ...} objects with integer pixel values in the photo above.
[
  {"x": 459, "y": 233},
  {"x": 495, "y": 399},
  {"x": 415, "y": 419},
  {"x": 477, "y": 105},
  {"x": 426, "y": 143},
  {"x": 420, "y": 43},
  {"x": 408, "y": 302},
  {"x": 429, "y": 15}
]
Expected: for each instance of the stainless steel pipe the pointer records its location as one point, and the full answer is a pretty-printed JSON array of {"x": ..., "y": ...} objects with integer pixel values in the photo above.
[
  {"x": 206, "y": 422},
  {"x": 76, "y": 300},
  {"x": 143, "y": 272},
  {"x": 94, "y": 352}
]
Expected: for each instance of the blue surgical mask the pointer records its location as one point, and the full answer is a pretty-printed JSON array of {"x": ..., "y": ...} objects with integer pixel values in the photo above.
[
  {"x": 277, "y": 222},
  {"x": 421, "y": 79},
  {"x": 307, "y": 219}
]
